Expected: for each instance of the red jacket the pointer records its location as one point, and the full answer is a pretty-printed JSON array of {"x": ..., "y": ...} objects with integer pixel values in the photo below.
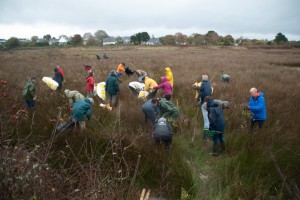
[
  {"x": 61, "y": 71},
  {"x": 90, "y": 84}
]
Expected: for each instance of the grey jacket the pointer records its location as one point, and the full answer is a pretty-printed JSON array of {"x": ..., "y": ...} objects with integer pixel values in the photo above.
[{"x": 74, "y": 96}]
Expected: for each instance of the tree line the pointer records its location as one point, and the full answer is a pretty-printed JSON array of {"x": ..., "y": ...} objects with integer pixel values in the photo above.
[{"x": 196, "y": 39}]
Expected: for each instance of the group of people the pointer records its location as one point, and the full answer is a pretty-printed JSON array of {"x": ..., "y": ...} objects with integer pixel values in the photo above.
[{"x": 161, "y": 112}]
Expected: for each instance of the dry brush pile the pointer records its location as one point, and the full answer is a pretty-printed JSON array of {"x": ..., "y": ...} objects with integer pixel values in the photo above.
[{"x": 100, "y": 163}]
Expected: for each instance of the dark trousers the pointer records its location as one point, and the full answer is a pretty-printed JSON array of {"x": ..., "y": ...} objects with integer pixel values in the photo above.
[
  {"x": 152, "y": 94},
  {"x": 30, "y": 104},
  {"x": 259, "y": 122},
  {"x": 134, "y": 91},
  {"x": 166, "y": 139}
]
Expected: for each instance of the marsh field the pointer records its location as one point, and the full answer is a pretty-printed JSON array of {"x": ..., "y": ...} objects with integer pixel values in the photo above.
[{"x": 114, "y": 157}]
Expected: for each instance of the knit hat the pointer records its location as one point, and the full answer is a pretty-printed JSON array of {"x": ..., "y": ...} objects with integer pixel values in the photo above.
[
  {"x": 112, "y": 72},
  {"x": 67, "y": 91},
  {"x": 204, "y": 78},
  {"x": 91, "y": 100}
]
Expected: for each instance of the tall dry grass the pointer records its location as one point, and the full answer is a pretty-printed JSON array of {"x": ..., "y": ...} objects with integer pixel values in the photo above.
[{"x": 261, "y": 68}]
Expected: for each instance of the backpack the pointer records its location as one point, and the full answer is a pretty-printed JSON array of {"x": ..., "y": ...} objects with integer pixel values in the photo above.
[{"x": 26, "y": 92}]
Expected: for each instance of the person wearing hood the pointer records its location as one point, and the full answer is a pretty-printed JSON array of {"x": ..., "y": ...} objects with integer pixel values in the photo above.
[
  {"x": 166, "y": 87},
  {"x": 150, "y": 110},
  {"x": 169, "y": 76},
  {"x": 90, "y": 84},
  {"x": 58, "y": 78},
  {"x": 81, "y": 109},
  {"x": 61, "y": 71},
  {"x": 216, "y": 124},
  {"x": 257, "y": 106},
  {"x": 120, "y": 70},
  {"x": 73, "y": 97},
  {"x": 141, "y": 74},
  {"x": 162, "y": 132},
  {"x": 29, "y": 94},
  {"x": 149, "y": 84},
  {"x": 168, "y": 110},
  {"x": 112, "y": 88}
]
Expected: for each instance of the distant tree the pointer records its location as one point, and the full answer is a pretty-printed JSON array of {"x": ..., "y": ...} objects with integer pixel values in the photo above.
[
  {"x": 167, "y": 40},
  {"x": 180, "y": 38},
  {"x": 91, "y": 41},
  {"x": 47, "y": 37},
  {"x": 99, "y": 36},
  {"x": 86, "y": 36},
  {"x": 119, "y": 40},
  {"x": 280, "y": 38},
  {"x": 76, "y": 39},
  {"x": 228, "y": 40},
  {"x": 139, "y": 38},
  {"x": 212, "y": 37},
  {"x": 34, "y": 38},
  {"x": 196, "y": 39},
  {"x": 12, "y": 42}
]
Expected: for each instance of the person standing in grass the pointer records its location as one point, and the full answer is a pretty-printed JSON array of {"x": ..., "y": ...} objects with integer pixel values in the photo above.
[
  {"x": 58, "y": 78},
  {"x": 61, "y": 71},
  {"x": 169, "y": 76},
  {"x": 90, "y": 84},
  {"x": 120, "y": 70},
  {"x": 204, "y": 89},
  {"x": 216, "y": 124},
  {"x": 112, "y": 88},
  {"x": 73, "y": 97},
  {"x": 29, "y": 94},
  {"x": 257, "y": 106},
  {"x": 141, "y": 74},
  {"x": 166, "y": 87}
]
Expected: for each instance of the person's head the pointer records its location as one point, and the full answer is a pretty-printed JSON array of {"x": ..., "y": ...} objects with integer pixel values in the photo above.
[
  {"x": 204, "y": 78},
  {"x": 168, "y": 69},
  {"x": 112, "y": 72},
  {"x": 55, "y": 69},
  {"x": 164, "y": 79},
  {"x": 208, "y": 98},
  {"x": 58, "y": 67},
  {"x": 67, "y": 91},
  {"x": 91, "y": 73},
  {"x": 254, "y": 92},
  {"x": 154, "y": 101},
  {"x": 123, "y": 64},
  {"x": 91, "y": 100}
]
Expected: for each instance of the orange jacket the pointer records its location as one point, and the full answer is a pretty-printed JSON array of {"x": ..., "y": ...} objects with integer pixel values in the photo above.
[{"x": 121, "y": 68}]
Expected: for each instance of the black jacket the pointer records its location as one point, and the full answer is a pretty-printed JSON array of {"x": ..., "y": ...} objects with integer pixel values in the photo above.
[
  {"x": 204, "y": 90},
  {"x": 215, "y": 116}
]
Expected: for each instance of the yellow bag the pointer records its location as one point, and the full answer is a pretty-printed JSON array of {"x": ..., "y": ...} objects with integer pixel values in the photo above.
[
  {"x": 100, "y": 90},
  {"x": 50, "y": 82}
]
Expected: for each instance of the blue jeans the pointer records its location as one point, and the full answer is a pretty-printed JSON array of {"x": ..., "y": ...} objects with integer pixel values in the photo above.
[
  {"x": 30, "y": 104},
  {"x": 218, "y": 137},
  {"x": 205, "y": 117}
]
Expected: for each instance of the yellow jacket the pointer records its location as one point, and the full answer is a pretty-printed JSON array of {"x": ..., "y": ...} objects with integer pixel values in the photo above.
[
  {"x": 149, "y": 83},
  {"x": 197, "y": 92},
  {"x": 169, "y": 75}
]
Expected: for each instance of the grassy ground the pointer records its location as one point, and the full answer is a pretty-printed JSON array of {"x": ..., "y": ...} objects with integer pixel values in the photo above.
[{"x": 100, "y": 163}]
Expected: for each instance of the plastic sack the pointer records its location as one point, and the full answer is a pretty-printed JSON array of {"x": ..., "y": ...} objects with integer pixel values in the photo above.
[
  {"x": 100, "y": 90},
  {"x": 50, "y": 82}
]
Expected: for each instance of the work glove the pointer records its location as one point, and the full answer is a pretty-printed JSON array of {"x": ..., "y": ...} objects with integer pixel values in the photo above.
[{"x": 34, "y": 98}]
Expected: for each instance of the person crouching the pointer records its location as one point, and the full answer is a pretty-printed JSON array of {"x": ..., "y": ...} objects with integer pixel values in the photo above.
[{"x": 162, "y": 132}]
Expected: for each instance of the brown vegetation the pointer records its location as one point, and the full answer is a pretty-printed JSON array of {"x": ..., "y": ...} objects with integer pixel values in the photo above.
[{"x": 100, "y": 163}]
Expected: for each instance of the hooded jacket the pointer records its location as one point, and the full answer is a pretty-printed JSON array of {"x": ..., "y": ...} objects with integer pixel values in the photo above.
[
  {"x": 205, "y": 90},
  {"x": 150, "y": 110},
  {"x": 81, "y": 108},
  {"x": 215, "y": 116},
  {"x": 61, "y": 71},
  {"x": 165, "y": 85},
  {"x": 149, "y": 83},
  {"x": 74, "y": 96},
  {"x": 90, "y": 84},
  {"x": 258, "y": 107},
  {"x": 58, "y": 77},
  {"x": 120, "y": 68},
  {"x": 112, "y": 84},
  {"x": 162, "y": 128},
  {"x": 168, "y": 109},
  {"x": 28, "y": 90},
  {"x": 141, "y": 73},
  {"x": 169, "y": 76}
]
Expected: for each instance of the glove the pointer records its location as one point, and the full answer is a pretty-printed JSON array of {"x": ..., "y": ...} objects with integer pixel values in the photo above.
[
  {"x": 34, "y": 98},
  {"x": 247, "y": 107}
]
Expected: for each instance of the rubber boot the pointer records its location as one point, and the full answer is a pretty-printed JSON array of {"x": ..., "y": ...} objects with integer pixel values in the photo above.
[
  {"x": 214, "y": 150},
  {"x": 222, "y": 147}
]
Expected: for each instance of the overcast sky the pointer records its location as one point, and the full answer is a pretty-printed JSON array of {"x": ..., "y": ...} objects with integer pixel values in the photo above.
[{"x": 259, "y": 19}]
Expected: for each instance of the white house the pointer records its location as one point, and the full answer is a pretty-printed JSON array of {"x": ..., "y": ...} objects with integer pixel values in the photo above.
[
  {"x": 109, "y": 41},
  {"x": 153, "y": 41},
  {"x": 62, "y": 41}
]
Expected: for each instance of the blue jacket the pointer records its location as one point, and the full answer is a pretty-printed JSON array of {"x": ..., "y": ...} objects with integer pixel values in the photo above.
[
  {"x": 112, "y": 85},
  {"x": 81, "y": 108},
  {"x": 258, "y": 107},
  {"x": 215, "y": 116},
  {"x": 204, "y": 90},
  {"x": 150, "y": 110}
]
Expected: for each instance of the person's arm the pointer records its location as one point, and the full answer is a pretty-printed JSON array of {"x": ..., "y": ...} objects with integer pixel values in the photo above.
[
  {"x": 89, "y": 113},
  {"x": 159, "y": 86}
]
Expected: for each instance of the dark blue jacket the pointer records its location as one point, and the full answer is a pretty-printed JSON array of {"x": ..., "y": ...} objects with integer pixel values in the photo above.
[
  {"x": 162, "y": 129},
  {"x": 215, "y": 116},
  {"x": 150, "y": 110},
  {"x": 204, "y": 90},
  {"x": 112, "y": 85},
  {"x": 81, "y": 108},
  {"x": 58, "y": 77},
  {"x": 258, "y": 107}
]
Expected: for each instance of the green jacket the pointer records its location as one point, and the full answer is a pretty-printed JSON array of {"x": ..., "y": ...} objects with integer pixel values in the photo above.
[
  {"x": 28, "y": 90},
  {"x": 74, "y": 96},
  {"x": 82, "y": 108},
  {"x": 112, "y": 85},
  {"x": 168, "y": 110}
]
